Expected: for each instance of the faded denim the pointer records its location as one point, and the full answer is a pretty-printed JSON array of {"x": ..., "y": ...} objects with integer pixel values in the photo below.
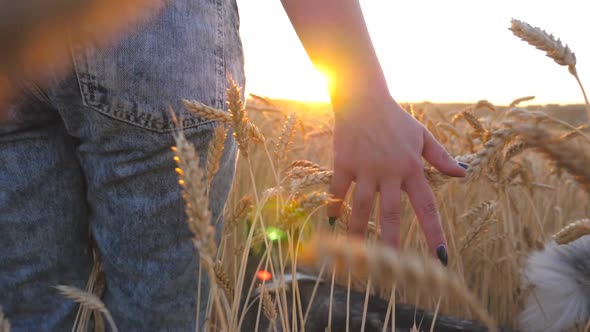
[{"x": 93, "y": 151}]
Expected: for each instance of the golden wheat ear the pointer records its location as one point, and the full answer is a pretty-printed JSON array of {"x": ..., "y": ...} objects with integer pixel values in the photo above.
[{"x": 553, "y": 47}]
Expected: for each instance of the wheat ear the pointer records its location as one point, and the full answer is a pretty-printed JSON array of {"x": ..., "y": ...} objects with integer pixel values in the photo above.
[
  {"x": 475, "y": 124},
  {"x": 207, "y": 112},
  {"x": 517, "y": 101},
  {"x": 285, "y": 138},
  {"x": 553, "y": 47},
  {"x": 572, "y": 231},
  {"x": 480, "y": 211},
  {"x": 514, "y": 149},
  {"x": 322, "y": 177},
  {"x": 215, "y": 152},
  {"x": 196, "y": 200},
  {"x": 490, "y": 149},
  {"x": 385, "y": 266},
  {"x": 88, "y": 300},
  {"x": 268, "y": 307},
  {"x": 223, "y": 280},
  {"x": 192, "y": 180},
  {"x": 243, "y": 208},
  {"x": 484, "y": 104},
  {"x": 567, "y": 156}
]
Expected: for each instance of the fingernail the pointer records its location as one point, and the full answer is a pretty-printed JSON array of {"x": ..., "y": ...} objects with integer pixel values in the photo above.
[
  {"x": 332, "y": 221},
  {"x": 464, "y": 165},
  {"x": 441, "y": 252}
]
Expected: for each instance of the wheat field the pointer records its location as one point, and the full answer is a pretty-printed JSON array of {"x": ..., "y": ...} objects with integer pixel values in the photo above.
[{"x": 529, "y": 177}]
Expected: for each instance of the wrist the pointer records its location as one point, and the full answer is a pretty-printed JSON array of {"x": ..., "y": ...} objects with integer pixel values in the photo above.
[{"x": 358, "y": 85}]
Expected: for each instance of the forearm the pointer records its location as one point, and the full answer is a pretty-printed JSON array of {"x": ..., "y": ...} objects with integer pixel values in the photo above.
[{"x": 334, "y": 34}]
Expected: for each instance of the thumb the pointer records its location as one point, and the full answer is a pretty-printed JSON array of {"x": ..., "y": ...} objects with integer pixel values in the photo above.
[{"x": 438, "y": 157}]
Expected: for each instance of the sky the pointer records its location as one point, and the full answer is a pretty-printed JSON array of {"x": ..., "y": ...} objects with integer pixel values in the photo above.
[{"x": 430, "y": 50}]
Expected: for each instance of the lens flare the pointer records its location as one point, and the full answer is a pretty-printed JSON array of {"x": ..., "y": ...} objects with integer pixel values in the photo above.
[{"x": 263, "y": 275}]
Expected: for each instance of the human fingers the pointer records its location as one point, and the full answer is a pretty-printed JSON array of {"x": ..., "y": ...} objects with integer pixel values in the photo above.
[
  {"x": 341, "y": 181},
  {"x": 362, "y": 206},
  {"x": 390, "y": 213},
  {"x": 438, "y": 157},
  {"x": 424, "y": 204}
]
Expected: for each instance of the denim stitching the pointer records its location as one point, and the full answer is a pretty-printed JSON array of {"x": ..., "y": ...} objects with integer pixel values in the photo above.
[{"x": 96, "y": 97}]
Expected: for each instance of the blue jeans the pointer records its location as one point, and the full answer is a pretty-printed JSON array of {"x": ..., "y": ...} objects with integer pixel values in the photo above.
[{"x": 92, "y": 151}]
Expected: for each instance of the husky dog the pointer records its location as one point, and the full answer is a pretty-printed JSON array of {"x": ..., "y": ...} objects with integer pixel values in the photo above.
[{"x": 560, "y": 279}]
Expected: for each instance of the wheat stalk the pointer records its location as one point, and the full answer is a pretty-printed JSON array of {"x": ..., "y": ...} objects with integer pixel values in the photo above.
[
  {"x": 4, "y": 322},
  {"x": 238, "y": 116},
  {"x": 243, "y": 208},
  {"x": 322, "y": 177},
  {"x": 574, "y": 133},
  {"x": 215, "y": 152},
  {"x": 537, "y": 37},
  {"x": 285, "y": 138},
  {"x": 572, "y": 231},
  {"x": 514, "y": 149},
  {"x": 529, "y": 239},
  {"x": 490, "y": 149},
  {"x": 95, "y": 285},
  {"x": 386, "y": 266},
  {"x": 223, "y": 280},
  {"x": 474, "y": 123},
  {"x": 207, "y": 112},
  {"x": 88, "y": 300},
  {"x": 484, "y": 104},
  {"x": 567, "y": 156},
  {"x": 481, "y": 211},
  {"x": 268, "y": 307},
  {"x": 474, "y": 232},
  {"x": 434, "y": 177},
  {"x": 299, "y": 172},
  {"x": 304, "y": 163},
  {"x": 304, "y": 204},
  {"x": 517, "y": 101},
  {"x": 448, "y": 128},
  {"x": 554, "y": 49},
  {"x": 192, "y": 180}
]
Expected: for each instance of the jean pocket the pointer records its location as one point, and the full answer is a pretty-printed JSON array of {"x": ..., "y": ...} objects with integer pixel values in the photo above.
[{"x": 177, "y": 55}]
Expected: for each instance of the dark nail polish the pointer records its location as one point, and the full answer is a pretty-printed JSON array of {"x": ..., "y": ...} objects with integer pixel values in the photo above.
[
  {"x": 441, "y": 252},
  {"x": 332, "y": 221},
  {"x": 464, "y": 165}
]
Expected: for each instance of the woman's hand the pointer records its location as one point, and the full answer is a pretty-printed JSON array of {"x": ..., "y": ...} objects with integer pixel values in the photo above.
[
  {"x": 380, "y": 146},
  {"x": 376, "y": 143}
]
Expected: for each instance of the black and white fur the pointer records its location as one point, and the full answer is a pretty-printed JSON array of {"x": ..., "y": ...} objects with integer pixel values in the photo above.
[{"x": 560, "y": 277}]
